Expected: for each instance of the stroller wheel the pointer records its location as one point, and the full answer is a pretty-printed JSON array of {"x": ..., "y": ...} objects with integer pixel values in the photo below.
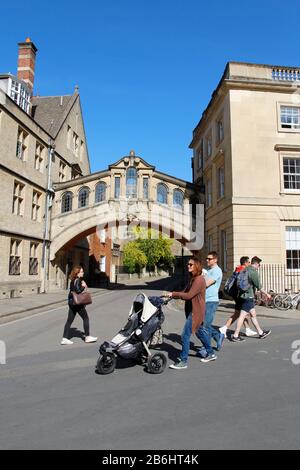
[
  {"x": 157, "y": 363},
  {"x": 106, "y": 364}
]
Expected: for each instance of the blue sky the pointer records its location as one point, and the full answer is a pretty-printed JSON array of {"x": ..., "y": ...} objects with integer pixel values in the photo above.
[{"x": 145, "y": 69}]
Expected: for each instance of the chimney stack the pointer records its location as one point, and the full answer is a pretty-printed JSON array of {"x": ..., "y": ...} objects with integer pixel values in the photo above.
[{"x": 26, "y": 62}]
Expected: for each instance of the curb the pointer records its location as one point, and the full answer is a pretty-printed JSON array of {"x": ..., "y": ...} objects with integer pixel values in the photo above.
[
  {"x": 259, "y": 314},
  {"x": 51, "y": 304}
]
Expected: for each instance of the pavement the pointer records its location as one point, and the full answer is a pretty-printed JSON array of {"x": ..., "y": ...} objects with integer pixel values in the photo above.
[
  {"x": 52, "y": 397},
  {"x": 11, "y": 309}
]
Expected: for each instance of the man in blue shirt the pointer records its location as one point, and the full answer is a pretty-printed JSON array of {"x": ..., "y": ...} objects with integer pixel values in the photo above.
[{"x": 213, "y": 282}]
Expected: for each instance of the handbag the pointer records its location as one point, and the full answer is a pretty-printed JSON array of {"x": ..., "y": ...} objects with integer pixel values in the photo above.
[{"x": 84, "y": 298}]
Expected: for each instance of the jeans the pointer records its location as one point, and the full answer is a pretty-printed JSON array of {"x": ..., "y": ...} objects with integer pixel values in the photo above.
[
  {"x": 203, "y": 335},
  {"x": 206, "y": 331},
  {"x": 210, "y": 310},
  {"x": 185, "y": 338}
]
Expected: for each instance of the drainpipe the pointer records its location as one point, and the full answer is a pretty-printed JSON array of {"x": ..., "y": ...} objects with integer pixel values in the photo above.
[{"x": 48, "y": 204}]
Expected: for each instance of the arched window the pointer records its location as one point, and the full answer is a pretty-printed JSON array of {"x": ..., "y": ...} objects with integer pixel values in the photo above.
[
  {"x": 162, "y": 194},
  {"x": 66, "y": 202},
  {"x": 83, "y": 197},
  {"x": 131, "y": 182},
  {"x": 178, "y": 198},
  {"x": 100, "y": 192}
]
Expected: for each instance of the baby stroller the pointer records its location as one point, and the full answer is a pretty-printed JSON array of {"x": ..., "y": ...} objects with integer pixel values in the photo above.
[{"x": 133, "y": 340}]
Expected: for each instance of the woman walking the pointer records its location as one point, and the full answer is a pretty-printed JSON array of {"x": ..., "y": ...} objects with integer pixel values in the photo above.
[
  {"x": 77, "y": 285},
  {"x": 194, "y": 296}
]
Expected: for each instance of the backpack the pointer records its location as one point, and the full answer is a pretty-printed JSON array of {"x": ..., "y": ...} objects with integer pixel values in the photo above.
[
  {"x": 230, "y": 287},
  {"x": 242, "y": 282}
]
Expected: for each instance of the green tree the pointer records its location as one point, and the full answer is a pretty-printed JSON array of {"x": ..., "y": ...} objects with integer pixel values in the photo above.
[
  {"x": 134, "y": 258},
  {"x": 155, "y": 246}
]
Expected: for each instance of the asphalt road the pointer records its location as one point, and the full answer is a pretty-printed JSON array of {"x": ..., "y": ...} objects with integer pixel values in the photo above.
[{"x": 51, "y": 397}]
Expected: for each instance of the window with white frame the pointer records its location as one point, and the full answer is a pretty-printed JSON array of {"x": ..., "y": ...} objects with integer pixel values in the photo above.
[
  {"x": 39, "y": 157},
  {"x": 162, "y": 194},
  {"x": 61, "y": 171},
  {"x": 145, "y": 187},
  {"x": 100, "y": 192},
  {"x": 131, "y": 183},
  {"x": 20, "y": 95},
  {"x": 36, "y": 205},
  {"x": 117, "y": 187},
  {"x": 66, "y": 202},
  {"x": 290, "y": 117},
  {"x": 292, "y": 246},
  {"x": 102, "y": 263},
  {"x": 208, "y": 192},
  {"x": 15, "y": 257},
  {"x": 83, "y": 197},
  {"x": 178, "y": 198},
  {"x": 291, "y": 173},
  {"x": 220, "y": 130},
  {"x": 33, "y": 259},
  {"x": 18, "y": 198},
  {"x": 22, "y": 144},
  {"x": 221, "y": 182}
]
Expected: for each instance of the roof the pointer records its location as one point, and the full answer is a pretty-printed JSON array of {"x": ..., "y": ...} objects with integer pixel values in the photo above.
[{"x": 50, "y": 111}]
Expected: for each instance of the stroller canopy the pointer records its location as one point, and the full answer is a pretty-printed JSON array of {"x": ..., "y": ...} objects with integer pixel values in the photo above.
[{"x": 142, "y": 303}]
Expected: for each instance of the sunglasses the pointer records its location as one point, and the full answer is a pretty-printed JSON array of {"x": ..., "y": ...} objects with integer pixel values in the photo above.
[
  {"x": 190, "y": 264},
  {"x": 209, "y": 259}
]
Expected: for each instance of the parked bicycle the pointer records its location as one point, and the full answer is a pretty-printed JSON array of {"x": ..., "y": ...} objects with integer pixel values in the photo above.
[
  {"x": 262, "y": 299},
  {"x": 287, "y": 300}
]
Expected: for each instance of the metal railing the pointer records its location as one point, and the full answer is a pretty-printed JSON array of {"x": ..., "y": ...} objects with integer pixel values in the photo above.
[{"x": 278, "y": 278}]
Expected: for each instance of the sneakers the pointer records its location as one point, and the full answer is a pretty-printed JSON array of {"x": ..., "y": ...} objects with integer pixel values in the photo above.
[
  {"x": 90, "y": 339},
  {"x": 210, "y": 357},
  {"x": 223, "y": 330},
  {"x": 250, "y": 332},
  {"x": 66, "y": 341},
  {"x": 220, "y": 341},
  {"x": 178, "y": 365},
  {"x": 265, "y": 333},
  {"x": 237, "y": 340}
]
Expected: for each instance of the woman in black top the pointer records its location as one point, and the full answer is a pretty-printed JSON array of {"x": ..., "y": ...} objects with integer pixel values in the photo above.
[{"x": 78, "y": 285}]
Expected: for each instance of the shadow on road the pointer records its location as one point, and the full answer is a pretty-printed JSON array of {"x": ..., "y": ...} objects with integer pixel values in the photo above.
[{"x": 157, "y": 284}]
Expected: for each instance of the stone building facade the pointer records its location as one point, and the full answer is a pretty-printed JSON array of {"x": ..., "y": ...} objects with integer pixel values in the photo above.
[
  {"x": 246, "y": 152},
  {"x": 42, "y": 140}
]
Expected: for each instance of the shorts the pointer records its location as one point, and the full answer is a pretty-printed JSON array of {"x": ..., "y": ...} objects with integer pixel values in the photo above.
[{"x": 244, "y": 304}]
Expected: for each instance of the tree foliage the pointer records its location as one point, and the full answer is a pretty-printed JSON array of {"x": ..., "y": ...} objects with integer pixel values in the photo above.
[
  {"x": 155, "y": 248},
  {"x": 134, "y": 258}
]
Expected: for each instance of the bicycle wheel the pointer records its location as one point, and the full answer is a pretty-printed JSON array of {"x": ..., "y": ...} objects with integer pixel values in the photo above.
[{"x": 282, "y": 302}]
